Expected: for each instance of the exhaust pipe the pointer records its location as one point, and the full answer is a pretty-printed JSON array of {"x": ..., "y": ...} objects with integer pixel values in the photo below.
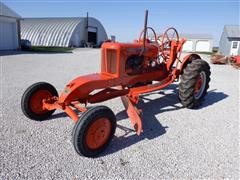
[{"x": 144, "y": 33}]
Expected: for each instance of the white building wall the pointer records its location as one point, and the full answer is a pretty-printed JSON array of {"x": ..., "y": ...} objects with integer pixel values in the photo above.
[
  {"x": 188, "y": 46},
  {"x": 8, "y": 33},
  {"x": 197, "y": 45}
]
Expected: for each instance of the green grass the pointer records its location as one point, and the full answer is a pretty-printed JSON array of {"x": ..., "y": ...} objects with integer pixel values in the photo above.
[
  {"x": 51, "y": 49},
  {"x": 215, "y": 49}
]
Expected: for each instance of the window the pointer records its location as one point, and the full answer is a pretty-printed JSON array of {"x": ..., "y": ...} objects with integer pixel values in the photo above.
[{"x": 234, "y": 44}]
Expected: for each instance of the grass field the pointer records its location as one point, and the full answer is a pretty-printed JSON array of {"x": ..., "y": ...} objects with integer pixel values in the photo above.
[{"x": 51, "y": 49}]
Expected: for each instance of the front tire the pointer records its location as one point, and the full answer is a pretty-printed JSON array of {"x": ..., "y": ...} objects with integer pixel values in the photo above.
[
  {"x": 94, "y": 131},
  {"x": 31, "y": 102},
  {"x": 194, "y": 83}
]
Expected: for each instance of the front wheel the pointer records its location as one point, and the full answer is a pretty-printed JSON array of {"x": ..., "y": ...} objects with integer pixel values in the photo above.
[
  {"x": 194, "y": 83},
  {"x": 32, "y": 100},
  {"x": 94, "y": 131}
]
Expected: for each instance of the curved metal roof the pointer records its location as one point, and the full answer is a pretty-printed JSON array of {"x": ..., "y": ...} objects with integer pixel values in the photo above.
[{"x": 49, "y": 31}]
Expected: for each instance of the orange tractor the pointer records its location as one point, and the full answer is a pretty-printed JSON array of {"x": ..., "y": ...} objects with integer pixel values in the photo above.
[{"x": 128, "y": 70}]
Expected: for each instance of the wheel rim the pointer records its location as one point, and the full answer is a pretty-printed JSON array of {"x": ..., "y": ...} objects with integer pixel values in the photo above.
[
  {"x": 36, "y": 101},
  {"x": 200, "y": 85},
  {"x": 165, "y": 45},
  {"x": 154, "y": 34},
  {"x": 98, "y": 133}
]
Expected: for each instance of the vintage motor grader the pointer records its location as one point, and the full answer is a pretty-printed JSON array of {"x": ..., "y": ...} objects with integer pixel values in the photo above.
[{"x": 128, "y": 70}]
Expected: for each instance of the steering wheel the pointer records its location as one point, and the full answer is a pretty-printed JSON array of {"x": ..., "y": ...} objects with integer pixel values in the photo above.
[
  {"x": 154, "y": 33},
  {"x": 169, "y": 35}
]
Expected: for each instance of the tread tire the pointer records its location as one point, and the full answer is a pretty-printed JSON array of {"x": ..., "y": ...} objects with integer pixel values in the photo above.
[
  {"x": 189, "y": 79},
  {"x": 25, "y": 101},
  {"x": 81, "y": 127}
]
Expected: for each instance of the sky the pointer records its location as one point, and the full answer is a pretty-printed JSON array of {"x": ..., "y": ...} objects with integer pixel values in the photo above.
[{"x": 125, "y": 19}]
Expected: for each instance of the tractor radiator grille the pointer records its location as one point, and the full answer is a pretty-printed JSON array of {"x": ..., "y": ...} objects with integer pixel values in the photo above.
[{"x": 111, "y": 61}]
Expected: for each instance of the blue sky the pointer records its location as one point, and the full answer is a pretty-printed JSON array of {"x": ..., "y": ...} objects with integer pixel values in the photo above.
[{"x": 125, "y": 18}]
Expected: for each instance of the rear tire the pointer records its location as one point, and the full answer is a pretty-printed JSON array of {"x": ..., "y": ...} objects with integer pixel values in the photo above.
[
  {"x": 31, "y": 102},
  {"x": 94, "y": 131},
  {"x": 194, "y": 83}
]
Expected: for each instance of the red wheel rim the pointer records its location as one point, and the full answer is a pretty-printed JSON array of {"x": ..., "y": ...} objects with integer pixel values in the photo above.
[
  {"x": 36, "y": 101},
  {"x": 98, "y": 133},
  {"x": 198, "y": 85}
]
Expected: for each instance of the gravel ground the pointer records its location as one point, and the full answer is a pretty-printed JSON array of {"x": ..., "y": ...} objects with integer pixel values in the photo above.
[{"x": 176, "y": 143}]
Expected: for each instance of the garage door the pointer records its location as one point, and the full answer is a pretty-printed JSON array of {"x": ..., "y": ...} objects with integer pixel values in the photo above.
[
  {"x": 203, "y": 46},
  {"x": 188, "y": 46},
  {"x": 8, "y": 36}
]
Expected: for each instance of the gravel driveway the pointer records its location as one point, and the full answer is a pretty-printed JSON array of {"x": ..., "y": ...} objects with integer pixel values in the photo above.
[{"x": 176, "y": 143}]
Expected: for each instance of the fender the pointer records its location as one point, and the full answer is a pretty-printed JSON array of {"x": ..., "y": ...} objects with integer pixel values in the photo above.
[{"x": 187, "y": 59}]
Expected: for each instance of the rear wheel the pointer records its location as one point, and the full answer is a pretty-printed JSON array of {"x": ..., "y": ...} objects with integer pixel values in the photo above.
[
  {"x": 194, "y": 83},
  {"x": 32, "y": 100},
  {"x": 94, "y": 131}
]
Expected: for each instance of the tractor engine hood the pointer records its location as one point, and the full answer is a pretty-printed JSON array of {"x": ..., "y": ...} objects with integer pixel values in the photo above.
[{"x": 151, "y": 49}]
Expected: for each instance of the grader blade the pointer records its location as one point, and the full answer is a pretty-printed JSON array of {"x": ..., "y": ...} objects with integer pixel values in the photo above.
[{"x": 134, "y": 114}]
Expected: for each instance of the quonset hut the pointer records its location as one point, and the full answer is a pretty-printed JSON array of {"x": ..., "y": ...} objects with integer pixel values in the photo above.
[{"x": 63, "y": 32}]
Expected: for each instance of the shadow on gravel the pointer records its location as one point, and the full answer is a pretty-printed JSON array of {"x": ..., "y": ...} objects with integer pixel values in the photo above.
[
  {"x": 212, "y": 97},
  {"x": 152, "y": 127},
  {"x": 7, "y": 53},
  {"x": 63, "y": 114},
  {"x": 59, "y": 115}
]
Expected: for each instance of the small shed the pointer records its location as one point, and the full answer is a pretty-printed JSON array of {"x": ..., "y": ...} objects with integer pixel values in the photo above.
[
  {"x": 197, "y": 42},
  {"x": 9, "y": 28},
  {"x": 229, "y": 43}
]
